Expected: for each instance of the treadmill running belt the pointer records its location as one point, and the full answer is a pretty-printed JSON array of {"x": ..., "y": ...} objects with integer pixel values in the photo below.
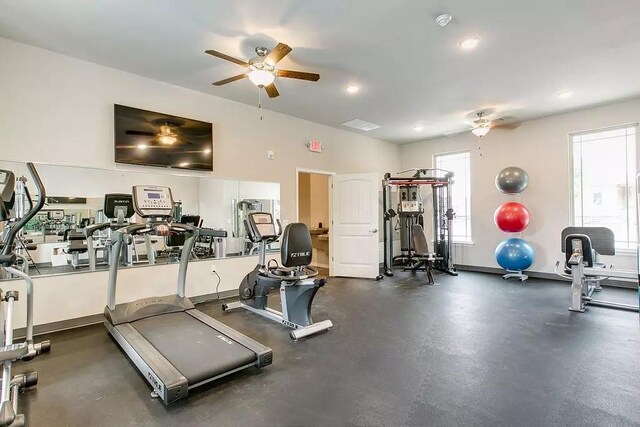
[{"x": 198, "y": 351}]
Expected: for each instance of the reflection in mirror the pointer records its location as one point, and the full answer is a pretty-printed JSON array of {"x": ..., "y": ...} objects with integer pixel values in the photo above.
[{"x": 85, "y": 205}]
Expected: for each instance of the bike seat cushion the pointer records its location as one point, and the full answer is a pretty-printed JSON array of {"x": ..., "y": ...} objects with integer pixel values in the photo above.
[{"x": 297, "y": 249}]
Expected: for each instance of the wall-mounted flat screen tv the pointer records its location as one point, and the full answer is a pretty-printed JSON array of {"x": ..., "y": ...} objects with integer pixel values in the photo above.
[{"x": 156, "y": 139}]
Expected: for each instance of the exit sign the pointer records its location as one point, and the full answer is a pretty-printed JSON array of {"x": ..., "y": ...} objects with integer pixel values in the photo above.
[{"x": 315, "y": 146}]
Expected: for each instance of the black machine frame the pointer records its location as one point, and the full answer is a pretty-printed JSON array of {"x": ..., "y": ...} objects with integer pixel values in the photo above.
[{"x": 440, "y": 182}]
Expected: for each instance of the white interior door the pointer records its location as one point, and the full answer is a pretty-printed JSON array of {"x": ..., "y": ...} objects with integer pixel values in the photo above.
[{"x": 354, "y": 230}]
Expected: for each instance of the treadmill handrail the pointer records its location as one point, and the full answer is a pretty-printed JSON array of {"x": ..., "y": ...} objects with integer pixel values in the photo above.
[{"x": 116, "y": 249}]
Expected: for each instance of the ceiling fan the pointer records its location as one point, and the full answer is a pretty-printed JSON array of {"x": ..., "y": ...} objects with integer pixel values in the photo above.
[
  {"x": 482, "y": 125},
  {"x": 165, "y": 136},
  {"x": 262, "y": 69}
]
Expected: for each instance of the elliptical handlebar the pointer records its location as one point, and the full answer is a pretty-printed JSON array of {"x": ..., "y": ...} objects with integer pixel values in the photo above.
[{"x": 13, "y": 232}]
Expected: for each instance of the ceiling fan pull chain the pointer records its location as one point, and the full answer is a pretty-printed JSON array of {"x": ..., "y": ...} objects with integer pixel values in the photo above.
[{"x": 260, "y": 101}]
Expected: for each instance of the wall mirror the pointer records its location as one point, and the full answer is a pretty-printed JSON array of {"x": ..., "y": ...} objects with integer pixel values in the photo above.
[{"x": 84, "y": 205}]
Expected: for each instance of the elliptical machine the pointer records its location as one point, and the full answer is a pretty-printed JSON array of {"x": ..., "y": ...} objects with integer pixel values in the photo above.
[
  {"x": 14, "y": 264},
  {"x": 295, "y": 277}
]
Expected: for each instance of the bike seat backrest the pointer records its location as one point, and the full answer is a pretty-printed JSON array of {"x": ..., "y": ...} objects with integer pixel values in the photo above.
[
  {"x": 261, "y": 227},
  {"x": 297, "y": 249},
  {"x": 419, "y": 240},
  {"x": 579, "y": 244},
  {"x": 602, "y": 239}
]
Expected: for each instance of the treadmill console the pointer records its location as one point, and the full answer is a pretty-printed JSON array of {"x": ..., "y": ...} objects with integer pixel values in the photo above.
[{"x": 152, "y": 201}]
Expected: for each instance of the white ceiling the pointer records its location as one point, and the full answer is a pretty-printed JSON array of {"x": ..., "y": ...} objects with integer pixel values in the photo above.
[{"x": 411, "y": 71}]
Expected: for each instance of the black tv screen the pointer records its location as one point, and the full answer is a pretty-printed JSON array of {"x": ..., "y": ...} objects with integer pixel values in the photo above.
[{"x": 156, "y": 139}]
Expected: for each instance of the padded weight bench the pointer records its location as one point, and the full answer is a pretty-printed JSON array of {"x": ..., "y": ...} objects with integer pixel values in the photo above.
[{"x": 421, "y": 253}]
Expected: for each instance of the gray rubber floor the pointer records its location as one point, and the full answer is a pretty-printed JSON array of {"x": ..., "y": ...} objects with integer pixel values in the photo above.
[{"x": 475, "y": 350}]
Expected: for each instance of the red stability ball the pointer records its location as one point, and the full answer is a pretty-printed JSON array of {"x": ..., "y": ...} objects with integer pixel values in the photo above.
[{"x": 511, "y": 217}]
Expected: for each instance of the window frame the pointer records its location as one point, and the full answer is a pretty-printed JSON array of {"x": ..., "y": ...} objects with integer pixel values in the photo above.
[
  {"x": 468, "y": 241},
  {"x": 572, "y": 211}
]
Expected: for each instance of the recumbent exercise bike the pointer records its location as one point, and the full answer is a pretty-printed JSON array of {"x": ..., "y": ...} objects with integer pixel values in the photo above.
[{"x": 295, "y": 277}]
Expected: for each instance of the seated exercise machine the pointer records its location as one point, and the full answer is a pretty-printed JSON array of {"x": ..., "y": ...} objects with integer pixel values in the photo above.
[
  {"x": 173, "y": 345},
  {"x": 11, "y": 352},
  {"x": 77, "y": 245},
  {"x": 295, "y": 277},
  {"x": 118, "y": 208},
  {"x": 410, "y": 212},
  {"x": 582, "y": 247}
]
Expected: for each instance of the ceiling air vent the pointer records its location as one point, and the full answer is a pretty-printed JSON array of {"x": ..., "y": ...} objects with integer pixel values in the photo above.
[{"x": 361, "y": 125}]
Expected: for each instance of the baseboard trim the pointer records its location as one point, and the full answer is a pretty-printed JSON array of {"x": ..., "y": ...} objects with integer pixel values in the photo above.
[
  {"x": 537, "y": 275},
  {"x": 542, "y": 275},
  {"x": 94, "y": 319}
]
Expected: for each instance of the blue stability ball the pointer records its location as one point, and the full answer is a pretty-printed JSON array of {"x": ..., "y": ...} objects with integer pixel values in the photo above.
[{"x": 515, "y": 254}]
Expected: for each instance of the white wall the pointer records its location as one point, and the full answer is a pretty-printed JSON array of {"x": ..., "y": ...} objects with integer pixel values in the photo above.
[
  {"x": 58, "y": 109},
  {"x": 540, "y": 147}
]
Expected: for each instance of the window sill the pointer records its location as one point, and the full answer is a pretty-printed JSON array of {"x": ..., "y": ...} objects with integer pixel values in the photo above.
[
  {"x": 464, "y": 243},
  {"x": 626, "y": 252}
]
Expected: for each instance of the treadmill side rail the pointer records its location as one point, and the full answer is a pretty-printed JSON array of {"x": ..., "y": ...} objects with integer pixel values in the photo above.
[
  {"x": 166, "y": 381},
  {"x": 264, "y": 354}
]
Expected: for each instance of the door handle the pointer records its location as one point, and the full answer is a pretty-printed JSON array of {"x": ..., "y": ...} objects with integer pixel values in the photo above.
[{"x": 375, "y": 230}]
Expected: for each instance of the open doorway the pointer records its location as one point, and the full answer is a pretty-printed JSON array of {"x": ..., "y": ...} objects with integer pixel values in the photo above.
[{"x": 314, "y": 195}]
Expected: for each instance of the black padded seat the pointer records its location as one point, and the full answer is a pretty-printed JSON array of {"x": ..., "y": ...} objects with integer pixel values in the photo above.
[
  {"x": 296, "y": 249},
  {"x": 190, "y": 345}
]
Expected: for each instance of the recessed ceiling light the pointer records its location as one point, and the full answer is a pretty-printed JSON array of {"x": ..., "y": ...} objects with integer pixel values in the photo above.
[
  {"x": 183, "y": 164},
  {"x": 564, "y": 94},
  {"x": 470, "y": 43},
  {"x": 207, "y": 150},
  {"x": 142, "y": 146},
  {"x": 418, "y": 128},
  {"x": 353, "y": 88}
]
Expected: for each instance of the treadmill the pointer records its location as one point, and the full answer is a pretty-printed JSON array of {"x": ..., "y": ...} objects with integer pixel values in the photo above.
[{"x": 173, "y": 345}]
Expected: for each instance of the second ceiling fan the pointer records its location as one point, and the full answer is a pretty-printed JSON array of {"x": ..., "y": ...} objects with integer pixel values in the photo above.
[{"x": 262, "y": 68}]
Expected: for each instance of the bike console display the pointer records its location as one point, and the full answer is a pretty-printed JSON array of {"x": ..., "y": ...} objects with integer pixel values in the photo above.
[
  {"x": 152, "y": 201},
  {"x": 261, "y": 226}
]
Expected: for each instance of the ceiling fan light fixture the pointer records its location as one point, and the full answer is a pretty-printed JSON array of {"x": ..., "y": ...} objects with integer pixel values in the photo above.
[
  {"x": 261, "y": 77},
  {"x": 167, "y": 139},
  {"x": 481, "y": 130}
]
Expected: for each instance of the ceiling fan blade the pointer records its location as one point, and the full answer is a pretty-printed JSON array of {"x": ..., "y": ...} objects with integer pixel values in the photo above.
[
  {"x": 277, "y": 53},
  {"x": 227, "y": 57},
  {"x": 271, "y": 90},
  {"x": 229, "y": 80},
  {"x": 139, "y": 132},
  {"x": 300, "y": 75},
  {"x": 507, "y": 123}
]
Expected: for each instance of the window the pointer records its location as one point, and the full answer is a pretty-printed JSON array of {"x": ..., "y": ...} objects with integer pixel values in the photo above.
[
  {"x": 460, "y": 164},
  {"x": 604, "y": 164}
]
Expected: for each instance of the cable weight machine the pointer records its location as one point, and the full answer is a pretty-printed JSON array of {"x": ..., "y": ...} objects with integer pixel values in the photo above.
[{"x": 410, "y": 211}]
